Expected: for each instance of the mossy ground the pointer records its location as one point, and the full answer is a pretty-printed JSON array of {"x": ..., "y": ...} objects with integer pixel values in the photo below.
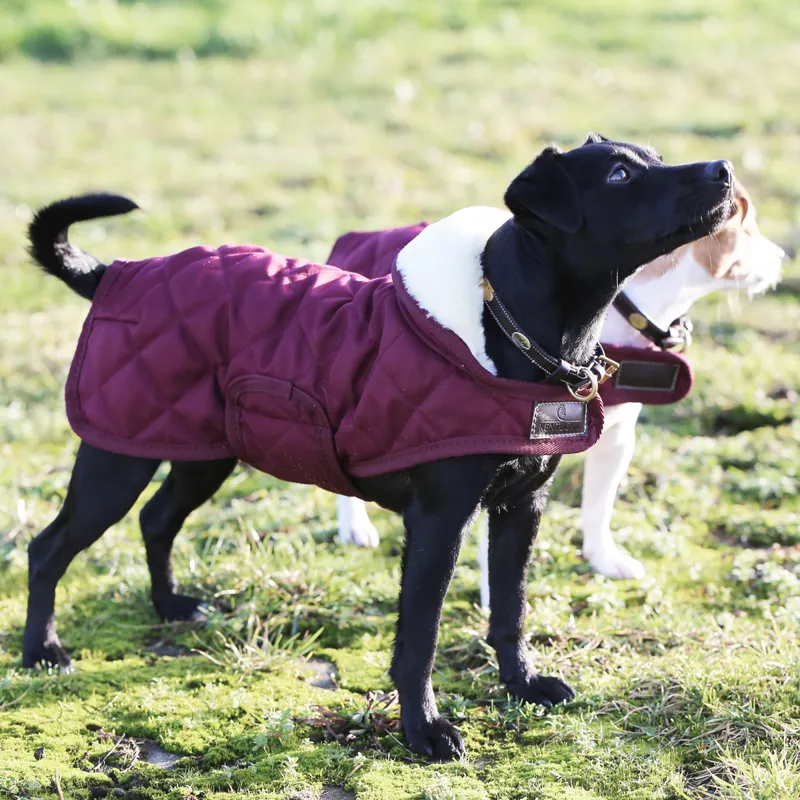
[{"x": 285, "y": 124}]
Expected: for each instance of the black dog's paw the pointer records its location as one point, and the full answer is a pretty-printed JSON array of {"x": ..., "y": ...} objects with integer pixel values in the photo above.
[
  {"x": 49, "y": 654},
  {"x": 180, "y": 608},
  {"x": 541, "y": 690},
  {"x": 436, "y": 739}
]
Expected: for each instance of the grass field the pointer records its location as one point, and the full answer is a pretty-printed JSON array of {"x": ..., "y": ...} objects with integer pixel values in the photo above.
[{"x": 284, "y": 124}]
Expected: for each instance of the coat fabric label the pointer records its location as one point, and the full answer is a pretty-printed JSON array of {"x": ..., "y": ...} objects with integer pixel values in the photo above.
[{"x": 558, "y": 419}]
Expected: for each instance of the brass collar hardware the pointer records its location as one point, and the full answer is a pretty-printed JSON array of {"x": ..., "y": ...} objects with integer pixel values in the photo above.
[
  {"x": 583, "y": 393},
  {"x": 581, "y": 381},
  {"x": 610, "y": 367},
  {"x": 521, "y": 340}
]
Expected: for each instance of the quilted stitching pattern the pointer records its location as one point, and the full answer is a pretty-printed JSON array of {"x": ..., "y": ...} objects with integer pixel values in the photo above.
[{"x": 308, "y": 372}]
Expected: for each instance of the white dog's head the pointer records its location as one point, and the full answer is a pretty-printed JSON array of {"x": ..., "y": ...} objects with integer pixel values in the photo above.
[{"x": 738, "y": 256}]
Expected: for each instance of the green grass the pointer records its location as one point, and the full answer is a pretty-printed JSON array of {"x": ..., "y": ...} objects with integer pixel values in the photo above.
[{"x": 285, "y": 124}]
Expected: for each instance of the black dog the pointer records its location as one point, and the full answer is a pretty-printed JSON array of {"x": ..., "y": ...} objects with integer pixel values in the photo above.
[{"x": 583, "y": 222}]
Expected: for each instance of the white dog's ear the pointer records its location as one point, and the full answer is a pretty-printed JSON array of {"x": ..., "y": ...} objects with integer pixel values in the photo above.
[{"x": 545, "y": 192}]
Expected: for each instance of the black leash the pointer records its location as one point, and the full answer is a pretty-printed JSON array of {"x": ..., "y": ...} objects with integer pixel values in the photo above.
[
  {"x": 676, "y": 339},
  {"x": 581, "y": 381}
]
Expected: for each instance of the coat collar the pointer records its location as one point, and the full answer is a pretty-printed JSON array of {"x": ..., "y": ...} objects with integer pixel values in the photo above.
[{"x": 441, "y": 270}]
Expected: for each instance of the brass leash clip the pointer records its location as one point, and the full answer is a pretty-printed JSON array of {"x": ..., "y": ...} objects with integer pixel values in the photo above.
[{"x": 609, "y": 367}]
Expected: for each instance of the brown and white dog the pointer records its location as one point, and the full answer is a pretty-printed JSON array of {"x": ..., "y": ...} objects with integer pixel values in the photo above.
[{"x": 736, "y": 257}]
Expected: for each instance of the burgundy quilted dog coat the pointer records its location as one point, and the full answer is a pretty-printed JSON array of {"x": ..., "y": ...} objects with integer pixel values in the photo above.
[
  {"x": 646, "y": 375},
  {"x": 307, "y": 372}
]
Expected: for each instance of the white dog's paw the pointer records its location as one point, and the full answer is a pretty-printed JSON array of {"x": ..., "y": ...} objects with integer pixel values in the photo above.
[
  {"x": 354, "y": 523},
  {"x": 360, "y": 532},
  {"x": 613, "y": 562}
]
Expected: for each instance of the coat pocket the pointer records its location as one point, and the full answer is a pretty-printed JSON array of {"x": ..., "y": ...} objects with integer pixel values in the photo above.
[{"x": 283, "y": 431}]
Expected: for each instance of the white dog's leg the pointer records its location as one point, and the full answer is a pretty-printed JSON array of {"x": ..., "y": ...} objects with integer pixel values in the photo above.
[
  {"x": 604, "y": 467},
  {"x": 483, "y": 557},
  {"x": 354, "y": 524}
]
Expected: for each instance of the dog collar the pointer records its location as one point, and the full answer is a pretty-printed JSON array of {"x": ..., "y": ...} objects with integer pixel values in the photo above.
[
  {"x": 675, "y": 339},
  {"x": 581, "y": 381}
]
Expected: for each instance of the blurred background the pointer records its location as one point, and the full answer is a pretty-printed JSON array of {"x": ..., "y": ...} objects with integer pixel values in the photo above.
[
  {"x": 288, "y": 121},
  {"x": 285, "y": 124}
]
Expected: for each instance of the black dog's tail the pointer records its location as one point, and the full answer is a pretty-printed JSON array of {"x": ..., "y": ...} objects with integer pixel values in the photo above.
[{"x": 51, "y": 249}]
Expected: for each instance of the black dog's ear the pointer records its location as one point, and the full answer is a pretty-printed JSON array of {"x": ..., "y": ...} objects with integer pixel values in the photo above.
[
  {"x": 595, "y": 138},
  {"x": 546, "y": 192}
]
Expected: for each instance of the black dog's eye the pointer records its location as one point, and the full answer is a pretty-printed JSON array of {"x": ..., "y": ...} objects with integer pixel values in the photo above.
[{"x": 619, "y": 175}]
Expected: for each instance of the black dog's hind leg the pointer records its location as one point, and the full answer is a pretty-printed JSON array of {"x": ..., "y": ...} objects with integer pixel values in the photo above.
[
  {"x": 188, "y": 485},
  {"x": 101, "y": 491},
  {"x": 511, "y": 536},
  {"x": 445, "y": 500}
]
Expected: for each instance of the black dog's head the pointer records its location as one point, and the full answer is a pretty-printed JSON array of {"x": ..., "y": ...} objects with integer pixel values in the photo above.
[{"x": 613, "y": 206}]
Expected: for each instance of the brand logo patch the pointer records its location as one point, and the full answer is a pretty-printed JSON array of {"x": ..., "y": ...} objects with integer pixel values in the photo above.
[{"x": 559, "y": 419}]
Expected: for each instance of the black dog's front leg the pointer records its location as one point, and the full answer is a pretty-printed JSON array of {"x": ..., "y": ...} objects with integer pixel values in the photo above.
[
  {"x": 511, "y": 536},
  {"x": 431, "y": 550},
  {"x": 447, "y": 495}
]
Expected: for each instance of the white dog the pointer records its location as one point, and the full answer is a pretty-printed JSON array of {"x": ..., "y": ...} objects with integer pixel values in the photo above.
[{"x": 737, "y": 257}]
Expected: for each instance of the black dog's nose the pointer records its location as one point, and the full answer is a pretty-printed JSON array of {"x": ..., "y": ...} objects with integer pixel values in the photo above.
[{"x": 720, "y": 172}]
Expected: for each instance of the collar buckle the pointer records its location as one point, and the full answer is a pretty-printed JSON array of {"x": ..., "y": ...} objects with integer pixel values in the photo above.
[{"x": 680, "y": 335}]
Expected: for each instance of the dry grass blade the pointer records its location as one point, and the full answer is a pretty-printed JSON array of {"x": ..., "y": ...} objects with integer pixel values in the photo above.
[
  {"x": 378, "y": 718},
  {"x": 259, "y": 650},
  {"x": 57, "y": 782}
]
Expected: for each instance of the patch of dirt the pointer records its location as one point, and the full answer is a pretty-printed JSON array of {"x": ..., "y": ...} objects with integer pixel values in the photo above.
[
  {"x": 167, "y": 649},
  {"x": 703, "y": 782},
  {"x": 125, "y": 751},
  {"x": 122, "y": 753},
  {"x": 323, "y": 673},
  {"x": 303, "y": 794},
  {"x": 153, "y": 753},
  {"x": 328, "y": 793},
  {"x": 336, "y": 793}
]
